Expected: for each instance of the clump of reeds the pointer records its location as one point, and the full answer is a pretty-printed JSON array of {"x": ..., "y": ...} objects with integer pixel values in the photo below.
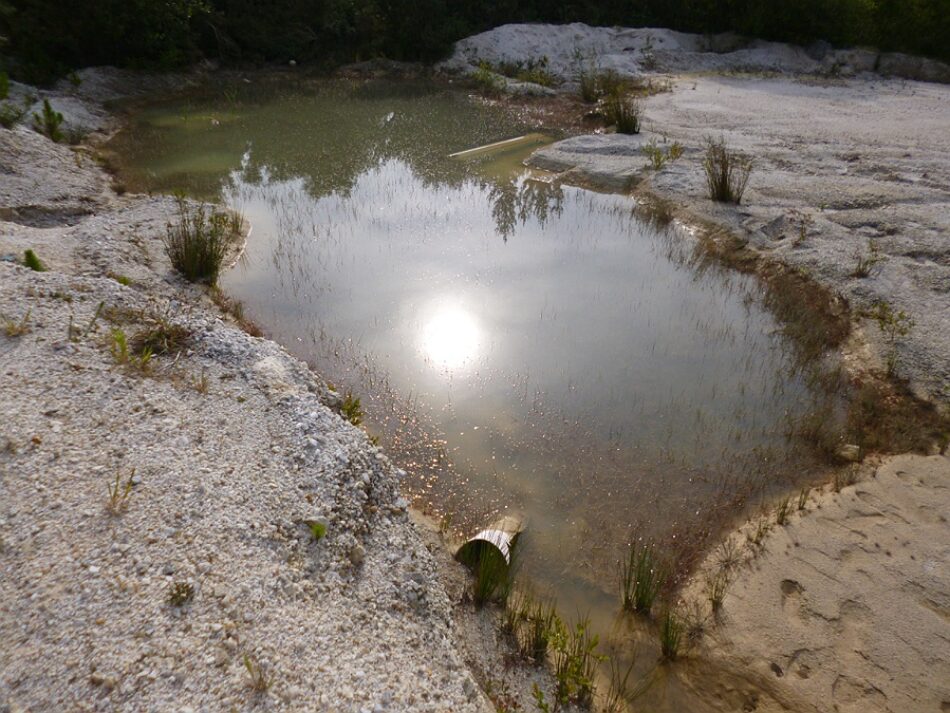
[
  {"x": 623, "y": 112},
  {"x": 727, "y": 172},
  {"x": 642, "y": 576},
  {"x": 198, "y": 243},
  {"x": 671, "y": 635}
]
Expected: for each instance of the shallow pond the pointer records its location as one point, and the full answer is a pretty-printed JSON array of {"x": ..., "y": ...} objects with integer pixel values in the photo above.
[{"x": 517, "y": 345}]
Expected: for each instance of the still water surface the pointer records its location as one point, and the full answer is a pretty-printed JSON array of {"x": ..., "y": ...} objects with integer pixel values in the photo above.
[{"x": 517, "y": 345}]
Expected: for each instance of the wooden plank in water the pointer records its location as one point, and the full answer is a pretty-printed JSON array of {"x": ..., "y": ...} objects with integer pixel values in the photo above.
[{"x": 500, "y": 146}]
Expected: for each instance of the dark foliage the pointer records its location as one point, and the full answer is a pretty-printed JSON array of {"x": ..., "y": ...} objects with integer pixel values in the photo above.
[{"x": 50, "y": 37}]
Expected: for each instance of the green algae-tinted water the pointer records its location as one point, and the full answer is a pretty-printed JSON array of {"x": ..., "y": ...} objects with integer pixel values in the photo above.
[{"x": 518, "y": 346}]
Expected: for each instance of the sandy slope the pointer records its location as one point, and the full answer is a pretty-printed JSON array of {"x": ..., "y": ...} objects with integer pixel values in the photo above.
[
  {"x": 847, "y": 607},
  {"x": 234, "y": 445}
]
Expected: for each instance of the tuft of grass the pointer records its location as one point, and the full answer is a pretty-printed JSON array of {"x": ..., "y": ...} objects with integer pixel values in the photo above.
[
  {"x": 12, "y": 328},
  {"x": 727, "y": 173},
  {"x": 756, "y": 535},
  {"x": 180, "y": 593},
  {"x": 802, "y": 498},
  {"x": 351, "y": 410},
  {"x": 200, "y": 383},
  {"x": 199, "y": 242},
  {"x": 716, "y": 586},
  {"x": 258, "y": 679},
  {"x": 541, "y": 622},
  {"x": 120, "y": 493},
  {"x": 782, "y": 511},
  {"x": 671, "y": 635},
  {"x": 121, "y": 279},
  {"x": 865, "y": 263},
  {"x": 33, "y": 262},
  {"x": 623, "y": 113},
  {"x": 49, "y": 122},
  {"x": 161, "y": 338},
  {"x": 618, "y": 692},
  {"x": 642, "y": 576}
]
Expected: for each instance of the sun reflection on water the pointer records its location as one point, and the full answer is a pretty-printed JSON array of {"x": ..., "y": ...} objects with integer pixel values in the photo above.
[{"x": 451, "y": 337}]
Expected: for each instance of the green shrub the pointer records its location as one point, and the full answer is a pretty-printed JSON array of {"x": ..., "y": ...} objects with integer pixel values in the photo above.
[
  {"x": 32, "y": 261},
  {"x": 199, "y": 242},
  {"x": 10, "y": 114},
  {"x": 658, "y": 157},
  {"x": 49, "y": 122},
  {"x": 4, "y": 85},
  {"x": 487, "y": 81},
  {"x": 727, "y": 173}
]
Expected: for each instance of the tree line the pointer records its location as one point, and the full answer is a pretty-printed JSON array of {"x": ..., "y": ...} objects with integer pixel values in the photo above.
[{"x": 43, "y": 39}]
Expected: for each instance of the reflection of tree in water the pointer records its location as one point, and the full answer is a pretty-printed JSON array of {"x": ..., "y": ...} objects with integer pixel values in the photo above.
[
  {"x": 514, "y": 202},
  {"x": 325, "y": 132}
]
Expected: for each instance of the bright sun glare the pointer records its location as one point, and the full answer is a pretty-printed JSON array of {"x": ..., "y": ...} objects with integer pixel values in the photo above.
[{"x": 451, "y": 338}]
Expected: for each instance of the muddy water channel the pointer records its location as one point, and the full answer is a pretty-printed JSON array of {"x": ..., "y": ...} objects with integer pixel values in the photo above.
[{"x": 517, "y": 346}]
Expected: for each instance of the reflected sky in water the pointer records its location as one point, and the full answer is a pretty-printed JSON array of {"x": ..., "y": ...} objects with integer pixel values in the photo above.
[{"x": 517, "y": 345}]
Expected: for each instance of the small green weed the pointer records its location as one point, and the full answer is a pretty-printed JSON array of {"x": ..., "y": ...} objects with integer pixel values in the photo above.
[
  {"x": 318, "y": 528},
  {"x": 140, "y": 360},
  {"x": 120, "y": 493},
  {"x": 501, "y": 697},
  {"x": 351, "y": 410},
  {"x": 892, "y": 324},
  {"x": 258, "y": 679},
  {"x": 658, "y": 157},
  {"x": 49, "y": 123},
  {"x": 866, "y": 262},
  {"x": 727, "y": 173},
  {"x": 540, "y": 701},
  {"x": 180, "y": 593},
  {"x": 33, "y": 262}
]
